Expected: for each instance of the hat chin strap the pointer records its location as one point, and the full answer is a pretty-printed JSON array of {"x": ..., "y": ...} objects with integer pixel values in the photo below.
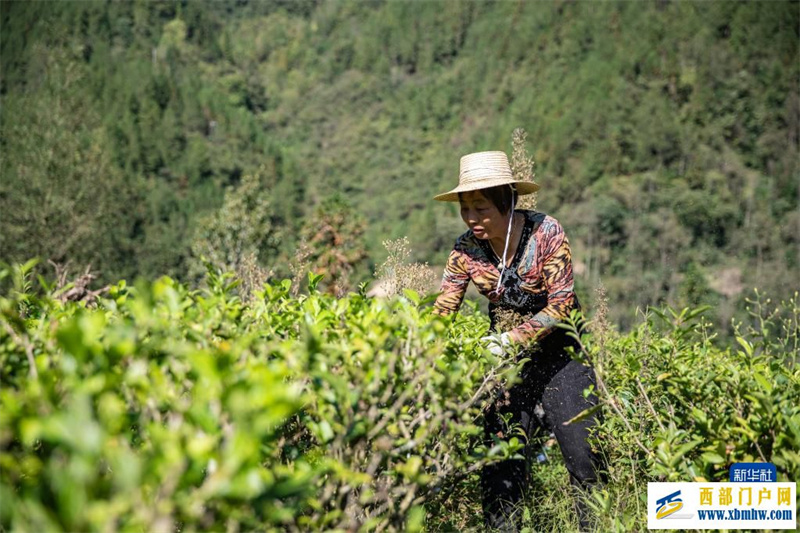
[{"x": 508, "y": 236}]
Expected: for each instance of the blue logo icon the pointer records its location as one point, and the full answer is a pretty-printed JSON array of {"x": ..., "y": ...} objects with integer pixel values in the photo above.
[{"x": 669, "y": 504}]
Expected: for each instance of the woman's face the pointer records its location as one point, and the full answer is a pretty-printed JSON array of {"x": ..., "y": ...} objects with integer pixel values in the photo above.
[{"x": 481, "y": 216}]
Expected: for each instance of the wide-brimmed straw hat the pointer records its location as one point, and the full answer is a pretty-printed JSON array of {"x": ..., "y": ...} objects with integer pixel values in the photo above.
[{"x": 482, "y": 170}]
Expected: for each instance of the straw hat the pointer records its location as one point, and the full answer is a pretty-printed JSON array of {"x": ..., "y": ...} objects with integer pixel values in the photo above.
[{"x": 482, "y": 170}]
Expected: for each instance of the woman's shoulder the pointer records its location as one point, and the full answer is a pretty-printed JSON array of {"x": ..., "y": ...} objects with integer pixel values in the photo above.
[{"x": 541, "y": 222}]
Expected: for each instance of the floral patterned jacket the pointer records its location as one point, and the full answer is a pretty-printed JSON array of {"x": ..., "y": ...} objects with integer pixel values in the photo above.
[{"x": 539, "y": 281}]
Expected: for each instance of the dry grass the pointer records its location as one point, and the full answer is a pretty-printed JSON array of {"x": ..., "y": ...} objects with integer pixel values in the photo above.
[
  {"x": 397, "y": 274},
  {"x": 300, "y": 265},
  {"x": 251, "y": 275},
  {"x": 599, "y": 325},
  {"x": 522, "y": 166}
]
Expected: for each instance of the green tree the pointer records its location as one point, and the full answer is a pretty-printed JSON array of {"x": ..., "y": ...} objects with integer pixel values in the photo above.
[
  {"x": 241, "y": 230},
  {"x": 61, "y": 196}
]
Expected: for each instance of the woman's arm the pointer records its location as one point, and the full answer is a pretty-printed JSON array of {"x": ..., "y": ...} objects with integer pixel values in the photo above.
[
  {"x": 454, "y": 285},
  {"x": 558, "y": 281}
]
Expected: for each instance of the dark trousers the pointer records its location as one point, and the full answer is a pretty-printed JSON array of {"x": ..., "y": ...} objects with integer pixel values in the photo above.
[{"x": 555, "y": 382}]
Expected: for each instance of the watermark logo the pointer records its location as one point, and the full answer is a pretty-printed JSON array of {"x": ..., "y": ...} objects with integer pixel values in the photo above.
[
  {"x": 753, "y": 473},
  {"x": 668, "y": 505},
  {"x": 710, "y": 505}
]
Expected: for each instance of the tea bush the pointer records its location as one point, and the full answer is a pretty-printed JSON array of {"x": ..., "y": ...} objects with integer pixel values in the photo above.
[
  {"x": 161, "y": 408},
  {"x": 679, "y": 408}
]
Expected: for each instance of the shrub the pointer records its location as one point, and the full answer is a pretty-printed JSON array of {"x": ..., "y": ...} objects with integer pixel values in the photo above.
[
  {"x": 679, "y": 408},
  {"x": 164, "y": 408}
]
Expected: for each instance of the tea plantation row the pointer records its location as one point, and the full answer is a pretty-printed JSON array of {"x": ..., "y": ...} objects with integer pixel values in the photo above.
[{"x": 161, "y": 408}]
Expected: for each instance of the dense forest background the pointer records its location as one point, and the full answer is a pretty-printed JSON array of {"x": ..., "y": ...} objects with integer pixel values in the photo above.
[{"x": 142, "y": 136}]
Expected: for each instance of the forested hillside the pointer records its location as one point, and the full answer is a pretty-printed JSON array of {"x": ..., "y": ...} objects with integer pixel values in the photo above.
[{"x": 142, "y": 136}]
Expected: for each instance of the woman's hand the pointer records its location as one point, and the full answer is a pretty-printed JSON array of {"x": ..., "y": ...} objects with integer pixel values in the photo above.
[{"x": 499, "y": 344}]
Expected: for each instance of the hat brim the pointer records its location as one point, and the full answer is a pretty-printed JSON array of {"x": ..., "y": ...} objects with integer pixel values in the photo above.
[{"x": 523, "y": 187}]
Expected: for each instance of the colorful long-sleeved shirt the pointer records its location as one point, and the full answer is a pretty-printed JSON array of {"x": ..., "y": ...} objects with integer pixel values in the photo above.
[{"x": 539, "y": 280}]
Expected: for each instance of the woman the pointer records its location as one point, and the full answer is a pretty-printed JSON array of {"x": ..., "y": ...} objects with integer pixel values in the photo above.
[{"x": 521, "y": 261}]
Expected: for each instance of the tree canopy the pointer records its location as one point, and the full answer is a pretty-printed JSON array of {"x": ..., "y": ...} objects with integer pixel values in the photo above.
[{"x": 665, "y": 134}]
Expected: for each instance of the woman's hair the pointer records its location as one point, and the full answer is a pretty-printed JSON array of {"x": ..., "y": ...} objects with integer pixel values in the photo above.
[{"x": 501, "y": 196}]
